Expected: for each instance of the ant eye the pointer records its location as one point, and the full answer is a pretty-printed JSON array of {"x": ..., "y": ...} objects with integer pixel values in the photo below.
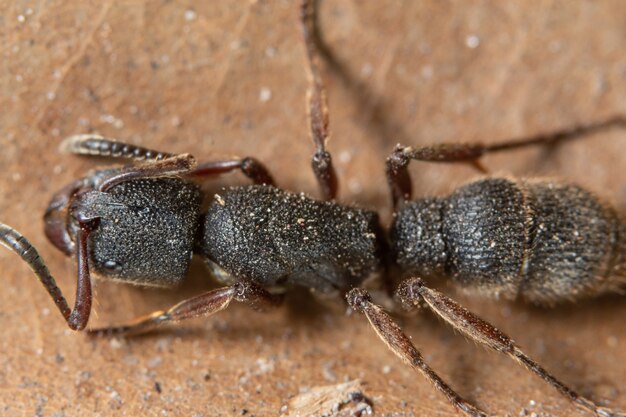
[{"x": 112, "y": 266}]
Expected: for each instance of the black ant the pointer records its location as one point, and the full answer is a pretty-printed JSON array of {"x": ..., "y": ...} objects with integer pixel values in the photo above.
[{"x": 538, "y": 240}]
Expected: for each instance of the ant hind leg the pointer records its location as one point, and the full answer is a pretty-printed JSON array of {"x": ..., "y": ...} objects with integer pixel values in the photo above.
[
  {"x": 395, "y": 339},
  {"x": 397, "y": 163},
  {"x": 412, "y": 291}
]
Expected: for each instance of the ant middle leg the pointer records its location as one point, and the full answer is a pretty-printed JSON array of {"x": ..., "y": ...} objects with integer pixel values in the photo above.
[
  {"x": 412, "y": 291},
  {"x": 317, "y": 106},
  {"x": 203, "y": 305},
  {"x": 397, "y": 163}
]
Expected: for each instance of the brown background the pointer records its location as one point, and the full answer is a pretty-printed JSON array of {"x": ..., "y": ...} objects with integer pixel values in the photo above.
[{"x": 187, "y": 77}]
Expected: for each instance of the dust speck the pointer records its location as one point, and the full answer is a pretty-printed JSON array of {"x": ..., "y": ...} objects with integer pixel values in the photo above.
[
  {"x": 265, "y": 94},
  {"x": 190, "y": 15},
  {"x": 345, "y": 156},
  {"x": 427, "y": 71},
  {"x": 472, "y": 41},
  {"x": 115, "y": 343}
]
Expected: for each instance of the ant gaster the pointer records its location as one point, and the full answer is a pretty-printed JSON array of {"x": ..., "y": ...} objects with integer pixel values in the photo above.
[{"x": 538, "y": 240}]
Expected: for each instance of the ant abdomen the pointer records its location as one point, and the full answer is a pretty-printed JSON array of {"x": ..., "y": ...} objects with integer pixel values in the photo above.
[{"x": 541, "y": 240}]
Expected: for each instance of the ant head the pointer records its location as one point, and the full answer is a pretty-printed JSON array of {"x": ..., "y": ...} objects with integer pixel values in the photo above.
[{"x": 146, "y": 227}]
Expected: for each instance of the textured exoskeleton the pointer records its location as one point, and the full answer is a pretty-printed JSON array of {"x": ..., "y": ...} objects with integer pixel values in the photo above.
[{"x": 539, "y": 240}]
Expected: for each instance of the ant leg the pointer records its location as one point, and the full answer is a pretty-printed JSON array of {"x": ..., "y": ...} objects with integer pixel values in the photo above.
[
  {"x": 401, "y": 345},
  {"x": 250, "y": 167},
  {"x": 78, "y": 317},
  {"x": 413, "y": 290},
  {"x": 203, "y": 305},
  {"x": 95, "y": 145},
  {"x": 160, "y": 164},
  {"x": 317, "y": 105},
  {"x": 174, "y": 166},
  {"x": 185, "y": 164},
  {"x": 397, "y": 163}
]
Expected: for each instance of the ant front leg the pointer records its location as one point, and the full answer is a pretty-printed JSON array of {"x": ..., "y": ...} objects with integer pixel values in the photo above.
[
  {"x": 317, "y": 105},
  {"x": 78, "y": 317},
  {"x": 397, "y": 163},
  {"x": 203, "y": 305},
  {"x": 161, "y": 164},
  {"x": 250, "y": 167},
  {"x": 96, "y": 145},
  {"x": 68, "y": 199},
  {"x": 412, "y": 291},
  {"x": 157, "y": 164}
]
